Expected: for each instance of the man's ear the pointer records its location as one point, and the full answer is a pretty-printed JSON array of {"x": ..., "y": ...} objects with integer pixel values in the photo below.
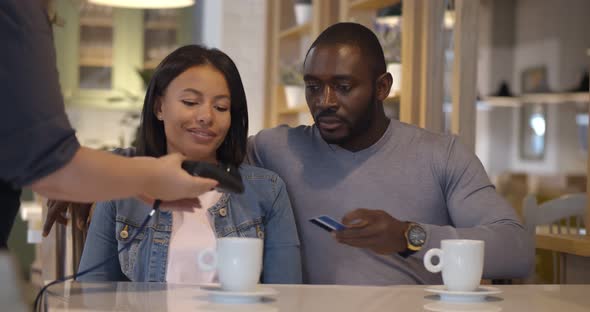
[{"x": 384, "y": 83}]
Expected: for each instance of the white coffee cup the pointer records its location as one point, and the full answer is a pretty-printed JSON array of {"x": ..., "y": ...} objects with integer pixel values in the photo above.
[
  {"x": 461, "y": 263},
  {"x": 238, "y": 261}
]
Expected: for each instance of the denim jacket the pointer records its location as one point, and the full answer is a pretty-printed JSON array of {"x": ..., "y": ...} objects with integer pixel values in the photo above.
[{"x": 262, "y": 211}]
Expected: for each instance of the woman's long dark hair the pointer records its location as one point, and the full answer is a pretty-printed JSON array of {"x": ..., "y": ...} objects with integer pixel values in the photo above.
[{"x": 151, "y": 140}]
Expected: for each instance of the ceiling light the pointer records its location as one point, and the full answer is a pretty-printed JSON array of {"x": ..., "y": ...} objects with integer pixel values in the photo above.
[{"x": 145, "y": 4}]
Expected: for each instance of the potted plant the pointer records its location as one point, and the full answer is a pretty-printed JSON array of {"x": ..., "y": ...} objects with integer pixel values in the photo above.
[
  {"x": 292, "y": 80},
  {"x": 303, "y": 11}
]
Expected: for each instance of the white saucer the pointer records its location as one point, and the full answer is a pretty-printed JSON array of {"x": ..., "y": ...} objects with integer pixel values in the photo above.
[
  {"x": 217, "y": 294},
  {"x": 441, "y": 306},
  {"x": 477, "y": 295}
]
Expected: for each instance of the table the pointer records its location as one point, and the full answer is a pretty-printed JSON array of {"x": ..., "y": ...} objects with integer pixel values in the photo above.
[
  {"x": 572, "y": 244},
  {"x": 127, "y": 296},
  {"x": 574, "y": 255}
]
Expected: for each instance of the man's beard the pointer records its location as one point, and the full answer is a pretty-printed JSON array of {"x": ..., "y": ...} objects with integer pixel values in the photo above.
[{"x": 356, "y": 128}]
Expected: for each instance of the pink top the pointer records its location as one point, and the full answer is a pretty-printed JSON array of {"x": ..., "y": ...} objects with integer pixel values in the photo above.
[{"x": 191, "y": 233}]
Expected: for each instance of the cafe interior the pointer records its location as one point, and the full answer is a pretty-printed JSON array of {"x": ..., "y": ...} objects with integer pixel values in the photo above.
[{"x": 509, "y": 78}]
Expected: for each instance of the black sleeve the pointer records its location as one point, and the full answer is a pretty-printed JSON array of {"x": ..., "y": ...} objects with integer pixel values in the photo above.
[{"x": 35, "y": 134}]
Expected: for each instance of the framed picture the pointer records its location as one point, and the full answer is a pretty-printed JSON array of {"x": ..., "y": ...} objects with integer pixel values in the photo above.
[
  {"x": 533, "y": 131},
  {"x": 534, "y": 80}
]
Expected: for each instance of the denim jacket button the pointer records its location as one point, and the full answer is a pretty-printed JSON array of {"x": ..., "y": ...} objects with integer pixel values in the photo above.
[
  {"x": 223, "y": 212},
  {"x": 124, "y": 234},
  {"x": 259, "y": 232}
]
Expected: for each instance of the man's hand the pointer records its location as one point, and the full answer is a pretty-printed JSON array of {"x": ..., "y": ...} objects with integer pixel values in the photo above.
[
  {"x": 56, "y": 212},
  {"x": 373, "y": 229}
]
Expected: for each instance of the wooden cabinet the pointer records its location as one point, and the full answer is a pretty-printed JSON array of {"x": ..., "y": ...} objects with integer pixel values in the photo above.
[
  {"x": 384, "y": 18},
  {"x": 100, "y": 51},
  {"x": 289, "y": 40}
]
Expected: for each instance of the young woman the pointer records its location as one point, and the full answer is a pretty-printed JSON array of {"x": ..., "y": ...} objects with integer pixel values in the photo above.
[{"x": 195, "y": 105}]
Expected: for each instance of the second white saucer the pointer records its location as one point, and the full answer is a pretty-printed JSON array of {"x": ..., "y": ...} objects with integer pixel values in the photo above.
[
  {"x": 477, "y": 295},
  {"x": 441, "y": 306},
  {"x": 217, "y": 294}
]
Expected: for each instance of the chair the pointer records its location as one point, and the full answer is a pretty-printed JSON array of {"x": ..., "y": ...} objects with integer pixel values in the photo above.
[
  {"x": 69, "y": 248},
  {"x": 557, "y": 215}
]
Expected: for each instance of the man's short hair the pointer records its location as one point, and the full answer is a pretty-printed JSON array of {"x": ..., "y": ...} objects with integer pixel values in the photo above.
[{"x": 357, "y": 35}]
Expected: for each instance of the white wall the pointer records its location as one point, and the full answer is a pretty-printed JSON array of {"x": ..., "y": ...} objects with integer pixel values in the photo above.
[
  {"x": 514, "y": 35},
  {"x": 546, "y": 52},
  {"x": 98, "y": 127},
  {"x": 496, "y": 44},
  {"x": 495, "y": 150},
  {"x": 482, "y": 144},
  {"x": 238, "y": 28},
  {"x": 573, "y": 160},
  {"x": 212, "y": 22},
  {"x": 498, "y": 142},
  {"x": 556, "y": 33},
  {"x": 518, "y": 34},
  {"x": 244, "y": 40}
]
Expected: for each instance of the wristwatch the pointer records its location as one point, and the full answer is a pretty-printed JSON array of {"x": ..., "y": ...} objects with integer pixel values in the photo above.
[{"x": 415, "y": 238}]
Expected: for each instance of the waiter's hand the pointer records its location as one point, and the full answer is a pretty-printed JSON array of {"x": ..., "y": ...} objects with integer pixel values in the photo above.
[
  {"x": 171, "y": 182},
  {"x": 375, "y": 230}
]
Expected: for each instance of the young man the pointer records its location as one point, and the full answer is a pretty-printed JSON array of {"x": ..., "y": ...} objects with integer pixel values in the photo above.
[
  {"x": 39, "y": 147},
  {"x": 399, "y": 189}
]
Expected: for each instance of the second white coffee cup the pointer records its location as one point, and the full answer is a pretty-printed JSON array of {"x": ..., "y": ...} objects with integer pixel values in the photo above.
[
  {"x": 461, "y": 263},
  {"x": 238, "y": 261}
]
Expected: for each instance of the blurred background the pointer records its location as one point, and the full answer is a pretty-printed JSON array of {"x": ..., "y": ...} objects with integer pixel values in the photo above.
[{"x": 510, "y": 77}]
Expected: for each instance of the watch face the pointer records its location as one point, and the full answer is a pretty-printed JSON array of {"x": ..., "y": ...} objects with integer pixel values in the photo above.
[{"x": 417, "y": 235}]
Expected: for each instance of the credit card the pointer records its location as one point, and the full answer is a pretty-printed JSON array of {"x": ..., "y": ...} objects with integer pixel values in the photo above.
[{"x": 327, "y": 223}]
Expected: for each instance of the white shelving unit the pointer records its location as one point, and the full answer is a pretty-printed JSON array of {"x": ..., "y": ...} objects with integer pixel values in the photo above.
[{"x": 541, "y": 98}]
